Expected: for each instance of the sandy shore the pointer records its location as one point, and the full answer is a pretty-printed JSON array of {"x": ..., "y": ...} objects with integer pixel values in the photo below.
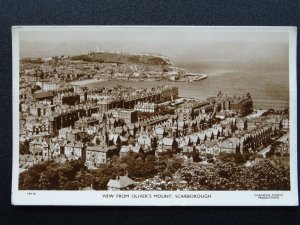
[{"x": 85, "y": 82}]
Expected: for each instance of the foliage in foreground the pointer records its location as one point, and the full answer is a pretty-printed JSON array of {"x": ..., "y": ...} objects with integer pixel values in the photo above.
[
  {"x": 74, "y": 175},
  {"x": 263, "y": 175}
]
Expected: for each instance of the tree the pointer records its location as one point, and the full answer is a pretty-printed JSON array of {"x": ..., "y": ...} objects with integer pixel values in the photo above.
[
  {"x": 97, "y": 141},
  {"x": 101, "y": 176},
  {"x": 165, "y": 173},
  {"x": 83, "y": 178},
  {"x": 174, "y": 164},
  {"x": 49, "y": 180},
  {"x": 53, "y": 176},
  {"x": 29, "y": 180},
  {"x": 239, "y": 159},
  {"x": 192, "y": 114},
  {"x": 147, "y": 168},
  {"x": 196, "y": 157},
  {"x": 226, "y": 157},
  {"x": 24, "y": 148}
]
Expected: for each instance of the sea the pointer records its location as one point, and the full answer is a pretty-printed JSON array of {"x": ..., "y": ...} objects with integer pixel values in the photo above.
[{"x": 269, "y": 87}]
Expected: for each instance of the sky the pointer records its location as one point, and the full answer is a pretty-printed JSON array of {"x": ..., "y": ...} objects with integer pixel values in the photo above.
[{"x": 255, "y": 46}]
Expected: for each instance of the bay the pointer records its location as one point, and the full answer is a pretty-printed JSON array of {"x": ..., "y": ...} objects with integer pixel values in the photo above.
[{"x": 269, "y": 88}]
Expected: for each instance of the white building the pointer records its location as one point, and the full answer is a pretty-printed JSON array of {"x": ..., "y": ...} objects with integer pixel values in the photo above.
[
  {"x": 286, "y": 124},
  {"x": 50, "y": 86},
  {"x": 145, "y": 107}
]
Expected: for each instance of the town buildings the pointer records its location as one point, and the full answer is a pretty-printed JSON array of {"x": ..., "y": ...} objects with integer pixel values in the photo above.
[{"x": 61, "y": 121}]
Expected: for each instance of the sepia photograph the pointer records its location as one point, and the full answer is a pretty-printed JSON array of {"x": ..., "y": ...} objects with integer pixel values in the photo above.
[{"x": 154, "y": 115}]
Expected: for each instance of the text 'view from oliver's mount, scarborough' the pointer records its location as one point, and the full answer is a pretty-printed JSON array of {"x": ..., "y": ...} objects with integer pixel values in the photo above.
[{"x": 119, "y": 121}]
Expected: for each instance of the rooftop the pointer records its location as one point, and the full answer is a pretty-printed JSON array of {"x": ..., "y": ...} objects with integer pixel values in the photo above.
[{"x": 120, "y": 182}]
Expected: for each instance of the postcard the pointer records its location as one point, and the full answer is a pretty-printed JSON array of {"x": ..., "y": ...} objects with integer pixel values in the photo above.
[{"x": 154, "y": 116}]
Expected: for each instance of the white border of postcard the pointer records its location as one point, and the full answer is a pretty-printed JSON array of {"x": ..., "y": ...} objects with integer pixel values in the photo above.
[{"x": 152, "y": 198}]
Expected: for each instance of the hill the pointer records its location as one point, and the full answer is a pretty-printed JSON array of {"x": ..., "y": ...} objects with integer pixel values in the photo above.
[{"x": 123, "y": 58}]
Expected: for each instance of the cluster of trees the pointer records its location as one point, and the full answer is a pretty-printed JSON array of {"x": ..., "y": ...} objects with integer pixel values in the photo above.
[
  {"x": 24, "y": 148},
  {"x": 53, "y": 176},
  {"x": 74, "y": 175},
  {"x": 232, "y": 157},
  {"x": 229, "y": 176},
  {"x": 273, "y": 148}
]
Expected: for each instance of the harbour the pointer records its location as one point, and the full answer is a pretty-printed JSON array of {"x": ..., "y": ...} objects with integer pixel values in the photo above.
[{"x": 270, "y": 92}]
